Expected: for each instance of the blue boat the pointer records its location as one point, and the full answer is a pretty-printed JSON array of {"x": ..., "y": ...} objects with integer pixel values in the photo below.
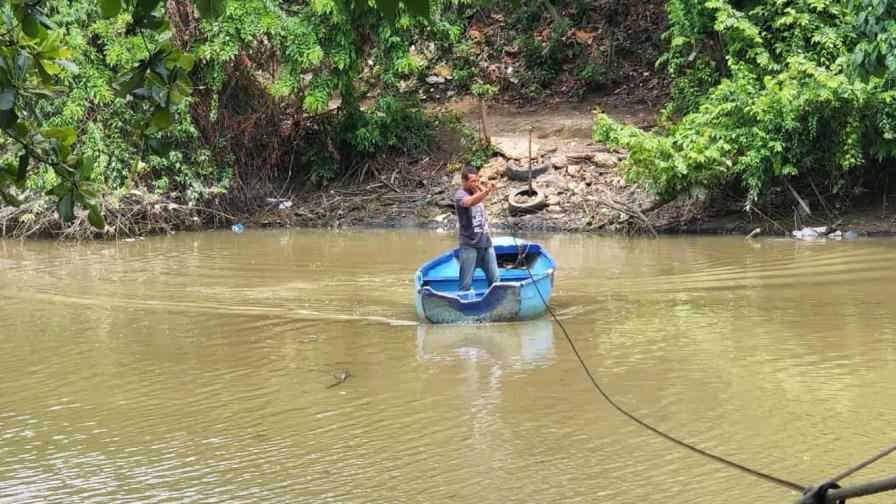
[{"x": 518, "y": 295}]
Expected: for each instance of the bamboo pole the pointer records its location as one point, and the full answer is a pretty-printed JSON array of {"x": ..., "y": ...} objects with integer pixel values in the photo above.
[{"x": 797, "y": 197}]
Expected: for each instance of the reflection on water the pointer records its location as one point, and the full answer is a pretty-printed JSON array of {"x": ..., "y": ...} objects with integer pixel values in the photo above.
[
  {"x": 515, "y": 345},
  {"x": 194, "y": 368},
  {"x": 483, "y": 353}
]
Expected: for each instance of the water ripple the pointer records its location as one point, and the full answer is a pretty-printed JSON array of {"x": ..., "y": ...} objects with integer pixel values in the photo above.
[{"x": 195, "y": 368}]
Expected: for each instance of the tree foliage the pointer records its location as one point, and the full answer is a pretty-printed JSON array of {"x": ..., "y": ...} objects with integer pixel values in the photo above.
[
  {"x": 123, "y": 106},
  {"x": 177, "y": 98},
  {"x": 772, "y": 90},
  {"x": 331, "y": 68},
  {"x": 35, "y": 66}
]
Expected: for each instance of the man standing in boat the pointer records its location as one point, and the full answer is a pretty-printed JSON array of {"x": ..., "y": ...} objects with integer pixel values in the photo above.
[{"x": 476, "y": 249}]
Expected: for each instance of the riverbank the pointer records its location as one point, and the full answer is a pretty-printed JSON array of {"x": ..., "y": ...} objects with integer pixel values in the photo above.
[
  {"x": 583, "y": 190},
  {"x": 590, "y": 198}
]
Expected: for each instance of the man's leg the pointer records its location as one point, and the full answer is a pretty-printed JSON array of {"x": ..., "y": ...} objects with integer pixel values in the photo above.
[
  {"x": 467, "y": 259},
  {"x": 488, "y": 262}
]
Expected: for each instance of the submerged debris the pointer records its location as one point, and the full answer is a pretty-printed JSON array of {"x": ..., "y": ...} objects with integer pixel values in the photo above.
[
  {"x": 341, "y": 377},
  {"x": 810, "y": 233},
  {"x": 820, "y": 233}
]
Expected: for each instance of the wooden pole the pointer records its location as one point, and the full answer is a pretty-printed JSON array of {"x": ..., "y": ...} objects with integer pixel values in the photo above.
[
  {"x": 530, "y": 160},
  {"x": 483, "y": 117}
]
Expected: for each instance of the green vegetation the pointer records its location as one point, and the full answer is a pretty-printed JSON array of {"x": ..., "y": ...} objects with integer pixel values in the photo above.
[
  {"x": 41, "y": 53},
  {"x": 96, "y": 96},
  {"x": 191, "y": 100},
  {"x": 766, "y": 91}
]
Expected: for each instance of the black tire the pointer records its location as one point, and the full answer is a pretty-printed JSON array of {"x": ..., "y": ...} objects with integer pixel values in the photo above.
[
  {"x": 534, "y": 205},
  {"x": 517, "y": 172}
]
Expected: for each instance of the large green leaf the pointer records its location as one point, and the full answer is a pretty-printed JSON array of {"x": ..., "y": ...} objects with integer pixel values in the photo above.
[
  {"x": 160, "y": 146},
  {"x": 8, "y": 118},
  {"x": 182, "y": 88},
  {"x": 8, "y": 97},
  {"x": 66, "y": 207},
  {"x": 110, "y": 8},
  {"x": 158, "y": 62},
  {"x": 186, "y": 61},
  {"x": 162, "y": 119},
  {"x": 68, "y": 65},
  {"x": 66, "y": 136},
  {"x": 5, "y": 74},
  {"x": 45, "y": 70},
  {"x": 144, "y": 93},
  {"x": 155, "y": 22},
  {"x": 131, "y": 81},
  {"x": 49, "y": 46},
  {"x": 8, "y": 172},
  {"x": 86, "y": 169},
  {"x": 86, "y": 196},
  {"x": 62, "y": 151},
  {"x": 145, "y": 7},
  {"x": 20, "y": 129},
  {"x": 160, "y": 96},
  {"x": 10, "y": 199},
  {"x": 30, "y": 26},
  {"x": 59, "y": 189},
  {"x": 21, "y": 66},
  {"x": 42, "y": 19},
  {"x": 211, "y": 9},
  {"x": 95, "y": 218},
  {"x": 22, "y": 169}
]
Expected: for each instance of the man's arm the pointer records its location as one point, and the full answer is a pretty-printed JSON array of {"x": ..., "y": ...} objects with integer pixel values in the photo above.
[{"x": 478, "y": 197}]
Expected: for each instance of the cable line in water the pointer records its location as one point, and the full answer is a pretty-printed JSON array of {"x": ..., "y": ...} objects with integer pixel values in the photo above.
[
  {"x": 753, "y": 472},
  {"x": 827, "y": 492}
]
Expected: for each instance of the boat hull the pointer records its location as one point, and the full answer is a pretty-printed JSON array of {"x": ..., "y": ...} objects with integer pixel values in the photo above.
[{"x": 518, "y": 295}]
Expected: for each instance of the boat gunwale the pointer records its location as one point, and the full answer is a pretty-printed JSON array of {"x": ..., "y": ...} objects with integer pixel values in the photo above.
[
  {"x": 429, "y": 291},
  {"x": 531, "y": 278}
]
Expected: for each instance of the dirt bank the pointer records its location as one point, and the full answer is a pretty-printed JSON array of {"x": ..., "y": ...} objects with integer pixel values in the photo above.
[{"x": 583, "y": 189}]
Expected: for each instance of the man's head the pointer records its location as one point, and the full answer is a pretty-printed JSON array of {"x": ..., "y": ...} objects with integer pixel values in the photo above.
[{"x": 469, "y": 179}]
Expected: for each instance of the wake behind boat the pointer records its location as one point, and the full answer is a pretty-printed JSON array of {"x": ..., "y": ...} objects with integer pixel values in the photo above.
[{"x": 515, "y": 296}]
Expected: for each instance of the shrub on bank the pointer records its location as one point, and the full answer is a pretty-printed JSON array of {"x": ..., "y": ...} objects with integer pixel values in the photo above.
[{"x": 796, "y": 90}]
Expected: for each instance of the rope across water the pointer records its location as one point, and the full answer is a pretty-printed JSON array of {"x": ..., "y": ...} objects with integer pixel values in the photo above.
[
  {"x": 827, "y": 492},
  {"x": 753, "y": 472}
]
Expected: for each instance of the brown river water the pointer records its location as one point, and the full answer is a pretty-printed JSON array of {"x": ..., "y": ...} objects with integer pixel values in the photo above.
[{"x": 195, "y": 368}]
